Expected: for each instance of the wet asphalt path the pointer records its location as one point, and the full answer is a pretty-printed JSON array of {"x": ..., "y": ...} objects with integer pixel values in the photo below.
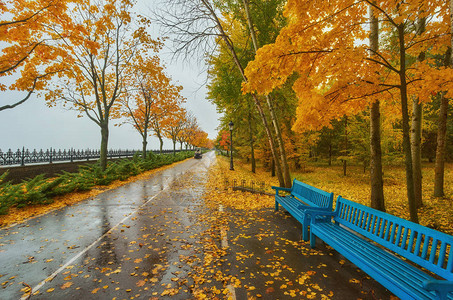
[{"x": 123, "y": 243}]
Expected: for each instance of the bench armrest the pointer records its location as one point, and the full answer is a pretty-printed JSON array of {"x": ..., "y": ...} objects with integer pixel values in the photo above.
[
  {"x": 277, "y": 188},
  {"x": 317, "y": 212},
  {"x": 441, "y": 287}
]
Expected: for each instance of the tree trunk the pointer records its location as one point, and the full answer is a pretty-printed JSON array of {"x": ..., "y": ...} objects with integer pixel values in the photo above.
[
  {"x": 236, "y": 60},
  {"x": 104, "y": 145},
  {"x": 273, "y": 168},
  {"x": 278, "y": 134},
  {"x": 144, "y": 144},
  {"x": 281, "y": 145},
  {"x": 442, "y": 129},
  {"x": 377, "y": 182},
  {"x": 440, "y": 149},
  {"x": 416, "y": 130},
  {"x": 161, "y": 141},
  {"x": 252, "y": 149},
  {"x": 258, "y": 106},
  {"x": 174, "y": 147},
  {"x": 406, "y": 129},
  {"x": 416, "y": 141}
]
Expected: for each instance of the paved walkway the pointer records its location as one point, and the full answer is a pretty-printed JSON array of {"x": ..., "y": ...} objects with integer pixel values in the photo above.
[
  {"x": 121, "y": 244},
  {"x": 154, "y": 239}
]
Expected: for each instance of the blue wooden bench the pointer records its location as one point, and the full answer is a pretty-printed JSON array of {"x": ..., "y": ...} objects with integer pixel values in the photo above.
[
  {"x": 302, "y": 197},
  {"x": 391, "y": 250}
]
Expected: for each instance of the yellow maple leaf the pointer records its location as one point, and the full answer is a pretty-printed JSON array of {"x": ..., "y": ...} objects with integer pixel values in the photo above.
[{"x": 66, "y": 285}]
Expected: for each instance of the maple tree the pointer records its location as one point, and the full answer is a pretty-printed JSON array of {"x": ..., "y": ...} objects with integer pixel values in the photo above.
[
  {"x": 175, "y": 126},
  {"x": 149, "y": 97},
  {"x": 30, "y": 53},
  {"x": 376, "y": 180},
  {"x": 224, "y": 140},
  {"x": 165, "y": 110},
  {"x": 337, "y": 76},
  {"x": 189, "y": 127},
  {"x": 96, "y": 61}
]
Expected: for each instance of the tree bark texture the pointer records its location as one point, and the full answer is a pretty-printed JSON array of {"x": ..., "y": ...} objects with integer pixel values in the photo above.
[
  {"x": 406, "y": 129},
  {"x": 439, "y": 169},
  {"x": 161, "y": 142},
  {"x": 440, "y": 149},
  {"x": 252, "y": 148},
  {"x": 376, "y": 175},
  {"x": 144, "y": 146},
  {"x": 416, "y": 132},
  {"x": 416, "y": 149},
  {"x": 144, "y": 143},
  {"x": 104, "y": 145}
]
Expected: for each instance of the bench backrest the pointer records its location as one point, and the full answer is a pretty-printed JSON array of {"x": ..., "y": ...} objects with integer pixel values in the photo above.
[
  {"x": 424, "y": 246},
  {"x": 311, "y": 195}
]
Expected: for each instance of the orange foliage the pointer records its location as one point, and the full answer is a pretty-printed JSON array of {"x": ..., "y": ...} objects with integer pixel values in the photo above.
[
  {"x": 224, "y": 140},
  {"x": 326, "y": 44},
  {"x": 30, "y": 46}
]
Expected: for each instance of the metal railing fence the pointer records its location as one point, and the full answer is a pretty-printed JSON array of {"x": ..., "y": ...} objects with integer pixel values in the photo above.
[{"x": 25, "y": 156}]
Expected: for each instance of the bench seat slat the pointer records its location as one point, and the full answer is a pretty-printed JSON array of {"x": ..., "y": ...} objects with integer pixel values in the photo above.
[
  {"x": 371, "y": 251},
  {"x": 392, "y": 271},
  {"x": 405, "y": 257}
]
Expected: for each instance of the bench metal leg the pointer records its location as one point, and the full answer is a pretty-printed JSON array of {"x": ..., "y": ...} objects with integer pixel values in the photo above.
[
  {"x": 305, "y": 233},
  {"x": 276, "y": 205},
  {"x": 312, "y": 240}
]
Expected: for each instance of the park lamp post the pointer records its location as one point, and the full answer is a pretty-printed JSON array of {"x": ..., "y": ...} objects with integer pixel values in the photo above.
[{"x": 231, "y": 125}]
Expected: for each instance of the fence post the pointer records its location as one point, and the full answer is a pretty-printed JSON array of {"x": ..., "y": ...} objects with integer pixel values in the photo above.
[
  {"x": 50, "y": 157},
  {"x": 23, "y": 157},
  {"x": 71, "y": 154}
]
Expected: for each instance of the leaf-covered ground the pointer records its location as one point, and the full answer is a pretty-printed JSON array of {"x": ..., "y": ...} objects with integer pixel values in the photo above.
[
  {"x": 263, "y": 255},
  {"x": 437, "y": 213},
  {"x": 206, "y": 242}
]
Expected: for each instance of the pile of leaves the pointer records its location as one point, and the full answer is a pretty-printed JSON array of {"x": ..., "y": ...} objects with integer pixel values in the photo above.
[{"x": 41, "y": 190}]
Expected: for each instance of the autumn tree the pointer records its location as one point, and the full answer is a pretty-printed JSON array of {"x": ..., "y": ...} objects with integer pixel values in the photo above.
[
  {"x": 224, "y": 140},
  {"x": 167, "y": 106},
  {"x": 146, "y": 87},
  {"x": 224, "y": 90},
  {"x": 200, "y": 139},
  {"x": 194, "y": 23},
  {"x": 30, "y": 52},
  {"x": 176, "y": 122},
  {"x": 190, "y": 130},
  {"x": 337, "y": 76},
  {"x": 96, "y": 62},
  {"x": 189, "y": 122}
]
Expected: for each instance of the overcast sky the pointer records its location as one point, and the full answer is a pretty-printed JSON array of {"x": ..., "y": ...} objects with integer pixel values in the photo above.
[{"x": 34, "y": 125}]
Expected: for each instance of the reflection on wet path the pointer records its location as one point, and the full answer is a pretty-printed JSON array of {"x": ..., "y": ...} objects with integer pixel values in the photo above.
[{"x": 153, "y": 210}]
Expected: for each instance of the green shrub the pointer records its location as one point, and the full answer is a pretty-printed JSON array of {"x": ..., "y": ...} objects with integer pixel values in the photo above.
[{"x": 40, "y": 190}]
